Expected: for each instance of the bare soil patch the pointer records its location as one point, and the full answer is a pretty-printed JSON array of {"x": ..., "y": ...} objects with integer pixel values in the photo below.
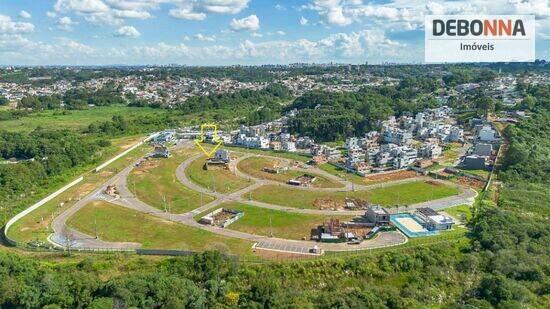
[
  {"x": 433, "y": 183},
  {"x": 146, "y": 166},
  {"x": 398, "y": 175},
  {"x": 474, "y": 183},
  {"x": 328, "y": 203}
]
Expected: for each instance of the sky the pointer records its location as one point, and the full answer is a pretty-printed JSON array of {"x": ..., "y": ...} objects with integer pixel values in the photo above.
[{"x": 227, "y": 32}]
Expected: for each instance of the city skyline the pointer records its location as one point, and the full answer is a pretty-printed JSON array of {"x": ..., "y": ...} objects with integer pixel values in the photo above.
[{"x": 228, "y": 32}]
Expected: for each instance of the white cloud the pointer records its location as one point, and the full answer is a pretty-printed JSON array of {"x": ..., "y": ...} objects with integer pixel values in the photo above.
[
  {"x": 8, "y": 26},
  {"x": 110, "y": 12},
  {"x": 189, "y": 14},
  {"x": 62, "y": 51},
  {"x": 280, "y": 32},
  {"x": 25, "y": 14},
  {"x": 435, "y": 8},
  {"x": 65, "y": 23},
  {"x": 160, "y": 51},
  {"x": 127, "y": 31},
  {"x": 81, "y": 6},
  {"x": 131, "y": 14},
  {"x": 250, "y": 23},
  {"x": 114, "y": 12},
  {"x": 303, "y": 21},
  {"x": 202, "y": 37},
  {"x": 332, "y": 11},
  {"x": 543, "y": 29},
  {"x": 335, "y": 16},
  {"x": 74, "y": 46},
  {"x": 541, "y": 8},
  {"x": 256, "y": 34},
  {"x": 13, "y": 43},
  {"x": 198, "y": 9},
  {"x": 223, "y": 6},
  {"x": 51, "y": 14},
  {"x": 355, "y": 46},
  {"x": 409, "y": 14}
]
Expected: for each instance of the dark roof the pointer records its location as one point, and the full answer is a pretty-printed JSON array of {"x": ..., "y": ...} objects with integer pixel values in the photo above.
[{"x": 427, "y": 211}]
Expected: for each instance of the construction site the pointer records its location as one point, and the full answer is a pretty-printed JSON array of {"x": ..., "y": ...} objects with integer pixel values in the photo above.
[{"x": 221, "y": 217}]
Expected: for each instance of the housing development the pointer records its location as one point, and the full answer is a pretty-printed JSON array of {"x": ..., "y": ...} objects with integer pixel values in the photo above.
[
  {"x": 274, "y": 154},
  {"x": 368, "y": 191},
  {"x": 269, "y": 190}
]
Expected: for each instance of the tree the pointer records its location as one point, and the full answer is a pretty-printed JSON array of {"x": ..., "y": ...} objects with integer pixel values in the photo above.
[
  {"x": 484, "y": 104},
  {"x": 528, "y": 102},
  {"x": 3, "y": 100}
]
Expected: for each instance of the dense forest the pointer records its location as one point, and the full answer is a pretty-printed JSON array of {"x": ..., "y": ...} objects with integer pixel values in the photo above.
[
  {"x": 332, "y": 116},
  {"x": 273, "y": 93},
  {"x": 73, "y": 99},
  {"x": 121, "y": 125},
  {"x": 249, "y": 106},
  {"x": 39, "y": 156}
]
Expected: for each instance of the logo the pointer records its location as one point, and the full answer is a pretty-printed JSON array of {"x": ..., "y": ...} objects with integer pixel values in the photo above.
[
  {"x": 203, "y": 135},
  {"x": 479, "y": 38}
]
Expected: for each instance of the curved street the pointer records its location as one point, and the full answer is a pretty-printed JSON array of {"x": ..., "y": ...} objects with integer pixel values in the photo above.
[{"x": 63, "y": 235}]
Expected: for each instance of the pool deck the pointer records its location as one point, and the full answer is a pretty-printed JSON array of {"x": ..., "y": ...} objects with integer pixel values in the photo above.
[{"x": 410, "y": 226}]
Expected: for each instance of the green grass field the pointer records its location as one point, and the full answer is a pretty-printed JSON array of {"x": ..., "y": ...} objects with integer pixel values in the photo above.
[
  {"x": 336, "y": 171},
  {"x": 481, "y": 173},
  {"x": 267, "y": 222},
  {"x": 74, "y": 119},
  {"x": 156, "y": 180},
  {"x": 281, "y": 154},
  {"x": 450, "y": 155},
  {"x": 254, "y": 165},
  {"x": 402, "y": 194},
  {"x": 116, "y": 223},
  {"x": 460, "y": 212},
  {"x": 219, "y": 180}
]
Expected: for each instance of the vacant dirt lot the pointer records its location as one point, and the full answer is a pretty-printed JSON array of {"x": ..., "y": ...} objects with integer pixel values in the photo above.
[{"x": 398, "y": 175}]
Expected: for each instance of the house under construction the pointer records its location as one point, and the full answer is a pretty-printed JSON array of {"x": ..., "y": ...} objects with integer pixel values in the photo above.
[{"x": 220, "y": 160}]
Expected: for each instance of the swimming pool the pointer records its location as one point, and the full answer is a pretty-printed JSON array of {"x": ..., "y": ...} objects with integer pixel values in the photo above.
[{"x": 410, "y": 225}]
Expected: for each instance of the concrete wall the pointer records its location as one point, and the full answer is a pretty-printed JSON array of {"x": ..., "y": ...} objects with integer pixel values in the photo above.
[
  {"x": 35, "y": 206},
  {"x": 120, "y": 155},
  {"x": 65, "y": 188}
]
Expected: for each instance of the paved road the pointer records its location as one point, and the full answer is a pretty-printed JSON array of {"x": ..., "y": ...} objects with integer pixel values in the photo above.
[
  {"x": 127, "y": 199},
  {"x": 63, "y": 235}
]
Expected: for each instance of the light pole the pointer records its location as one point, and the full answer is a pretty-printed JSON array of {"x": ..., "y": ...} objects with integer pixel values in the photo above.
[{"x": 270, "y": 227}]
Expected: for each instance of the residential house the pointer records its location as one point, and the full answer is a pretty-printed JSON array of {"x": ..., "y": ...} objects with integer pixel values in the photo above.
[
  {"x": 474, "y": 162},
  {"x": 378, "y": 215},
  {"x": 483, "y": 149},
  {"x": 434, "y": 221}
]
